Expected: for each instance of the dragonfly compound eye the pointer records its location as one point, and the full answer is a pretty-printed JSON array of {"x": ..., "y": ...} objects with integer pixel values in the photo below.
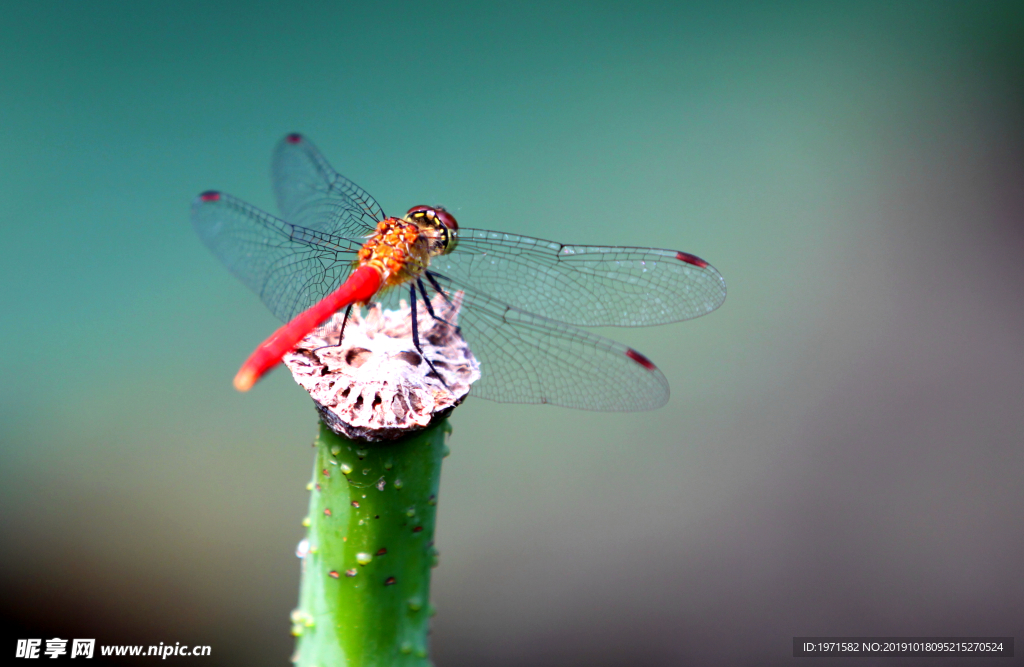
[{"x": 435, "y": 213}]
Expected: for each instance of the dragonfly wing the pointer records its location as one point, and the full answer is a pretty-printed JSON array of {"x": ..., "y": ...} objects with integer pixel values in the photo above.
[
  {"x": 289, "y": 267},
  {"x": 526, "y": 358},
  {"x": 584, "y": 285},
  {"x": 310, "y": 193}
]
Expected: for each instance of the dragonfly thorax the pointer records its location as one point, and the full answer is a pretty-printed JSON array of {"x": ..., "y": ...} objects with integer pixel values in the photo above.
[{"x": 398, "y": 249}]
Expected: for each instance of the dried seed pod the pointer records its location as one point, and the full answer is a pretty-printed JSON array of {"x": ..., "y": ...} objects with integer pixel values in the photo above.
[{"x": 376, "y": 385}]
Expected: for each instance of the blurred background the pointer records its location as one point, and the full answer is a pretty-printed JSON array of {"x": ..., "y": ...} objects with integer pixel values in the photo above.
[{"x": 842, "y": 453}]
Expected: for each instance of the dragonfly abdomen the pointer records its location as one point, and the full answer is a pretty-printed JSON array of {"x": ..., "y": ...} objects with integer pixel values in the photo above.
[{"x": 359, "y": 288}]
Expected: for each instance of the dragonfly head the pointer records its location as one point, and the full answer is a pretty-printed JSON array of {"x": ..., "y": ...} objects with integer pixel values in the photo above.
[{"x": 441, "y": 222}]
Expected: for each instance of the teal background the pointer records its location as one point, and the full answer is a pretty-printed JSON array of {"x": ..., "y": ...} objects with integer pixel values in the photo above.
[{"x": 842, "y": 453}]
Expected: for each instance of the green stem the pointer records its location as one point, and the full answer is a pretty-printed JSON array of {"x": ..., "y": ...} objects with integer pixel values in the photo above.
[{"x": 365, "y": 589}]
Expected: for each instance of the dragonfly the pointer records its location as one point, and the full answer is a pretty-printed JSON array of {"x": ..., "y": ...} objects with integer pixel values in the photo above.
[{"x": 525, "y": 302}]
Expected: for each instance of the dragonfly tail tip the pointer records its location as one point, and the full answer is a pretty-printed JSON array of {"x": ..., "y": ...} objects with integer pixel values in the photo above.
[{"x": 245, "y": 379}]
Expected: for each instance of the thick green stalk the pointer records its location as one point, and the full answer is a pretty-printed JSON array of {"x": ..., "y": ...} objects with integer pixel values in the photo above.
[{"x": 365, "y": 590}]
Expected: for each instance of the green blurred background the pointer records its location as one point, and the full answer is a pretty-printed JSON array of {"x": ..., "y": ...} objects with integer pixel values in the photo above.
[{"x": 842, "y": 453}]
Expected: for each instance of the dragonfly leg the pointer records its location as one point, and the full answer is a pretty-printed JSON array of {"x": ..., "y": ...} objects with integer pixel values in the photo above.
[
  {"x": 341, "y": 334},
  {"x": 416, "y": 335},
  {"x": 430, "y": 308},
  {"x": 437, "y": 287}
]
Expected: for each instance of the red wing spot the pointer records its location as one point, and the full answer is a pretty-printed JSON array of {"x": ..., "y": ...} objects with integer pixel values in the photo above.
[
  {"x": 294, "y": 138},
  {"x": 210, "y": 195},
  {"x": 640, "y": 359},
  {"x": 333, "y": 573},
  {"x": 691, "y": 259},
  {"x": 389, "y": 581},
  {"x": 417, "y": 529},
  {"x": 327, "y": 512},
  {"x": 382, "y": 551}
]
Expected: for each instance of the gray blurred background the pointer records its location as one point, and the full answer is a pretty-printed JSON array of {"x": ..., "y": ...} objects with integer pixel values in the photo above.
[{"x": 842, "y": 453}]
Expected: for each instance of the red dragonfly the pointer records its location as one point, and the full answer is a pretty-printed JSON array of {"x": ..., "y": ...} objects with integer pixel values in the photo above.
[{"x": 524, "y": 299}]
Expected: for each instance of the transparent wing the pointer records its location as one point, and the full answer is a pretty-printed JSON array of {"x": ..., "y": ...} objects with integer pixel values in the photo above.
[
  {"x": 289, "y": 267},
  {"x": 584, "y": 285},
  {"x": 310, "y": 193},
  {"x": 526, "y": 358},
  {"x": 580, "y": 285}
]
